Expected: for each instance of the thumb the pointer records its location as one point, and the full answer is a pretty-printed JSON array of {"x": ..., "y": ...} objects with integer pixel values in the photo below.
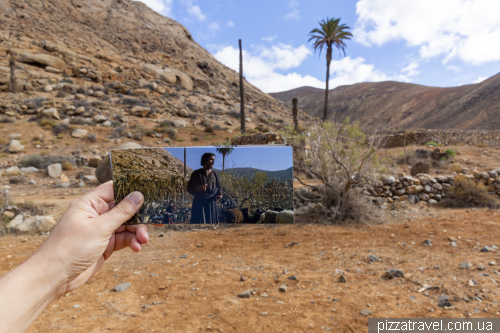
[{"x": 122, "y": 212}]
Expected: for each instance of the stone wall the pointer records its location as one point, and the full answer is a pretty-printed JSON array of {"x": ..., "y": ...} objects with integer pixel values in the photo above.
[
  {"x": 269, "y": 138},
  {"x": 444, "y": 137},
  {"x": 424, "y": 187}
]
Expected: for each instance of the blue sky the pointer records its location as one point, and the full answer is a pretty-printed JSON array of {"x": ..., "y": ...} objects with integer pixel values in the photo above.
[
  {"x": 263, "y": 158},
  {"x": 441, "y": 43}
]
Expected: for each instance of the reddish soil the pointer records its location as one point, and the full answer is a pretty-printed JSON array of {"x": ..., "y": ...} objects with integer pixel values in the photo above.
[{"x": 199, "y": 293}]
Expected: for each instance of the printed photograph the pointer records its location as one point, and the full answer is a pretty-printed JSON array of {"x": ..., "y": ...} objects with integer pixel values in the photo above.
[{"x": 207, "y": 185}]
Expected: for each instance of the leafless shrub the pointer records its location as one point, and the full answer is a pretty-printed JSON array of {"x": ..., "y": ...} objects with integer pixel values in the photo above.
[{"x": 468, "y": 193}]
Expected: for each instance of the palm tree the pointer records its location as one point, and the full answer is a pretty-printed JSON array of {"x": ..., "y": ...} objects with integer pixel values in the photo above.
[
  {"x": 224, "y": 151},
  {"x": 331, "y": 33}
]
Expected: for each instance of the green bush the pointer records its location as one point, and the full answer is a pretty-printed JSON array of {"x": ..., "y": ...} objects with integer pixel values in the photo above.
[
  {"x": 47, "y": 123},
  {"x": 432, "y": 143},
  {"x": 451, "y": 154}
]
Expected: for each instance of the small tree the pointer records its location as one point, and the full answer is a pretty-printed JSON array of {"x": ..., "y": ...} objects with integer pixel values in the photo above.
[
  {"x": 242, "y": 187},
  {"x": 295, "y": 112},
  {"x": 340, "y": 156}
]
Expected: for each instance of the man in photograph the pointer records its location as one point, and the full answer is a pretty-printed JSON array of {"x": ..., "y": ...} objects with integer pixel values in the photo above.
[{"x": 204, "y": 185}]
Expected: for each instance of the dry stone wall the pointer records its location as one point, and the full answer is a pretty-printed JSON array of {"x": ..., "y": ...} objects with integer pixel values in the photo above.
[
  {"x": 258, "y": 139},
  {"x": 424, "y": 187},
  {"x": 445, "y": 137}
]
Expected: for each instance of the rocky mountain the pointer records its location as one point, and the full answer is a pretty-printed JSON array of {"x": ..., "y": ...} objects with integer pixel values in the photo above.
[
  {"x": 280, "y": 175},
  {"x": 403, "y": 105},
  {"x": 100, "y": 62}
]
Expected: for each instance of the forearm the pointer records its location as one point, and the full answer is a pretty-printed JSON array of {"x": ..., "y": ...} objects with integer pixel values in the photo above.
[{"x": 26, "y": 291}]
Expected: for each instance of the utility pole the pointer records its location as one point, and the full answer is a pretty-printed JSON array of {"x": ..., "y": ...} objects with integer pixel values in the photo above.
[{"x": 242, "y": 101}]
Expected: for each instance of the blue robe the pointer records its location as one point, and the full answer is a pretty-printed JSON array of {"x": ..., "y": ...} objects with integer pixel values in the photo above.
[{"x": 204, "y": 209}]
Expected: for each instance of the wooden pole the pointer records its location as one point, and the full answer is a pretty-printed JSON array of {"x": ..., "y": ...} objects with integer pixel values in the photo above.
[
  {"x": 242, "y": 100},
  {"x": 295, "y": 113}
]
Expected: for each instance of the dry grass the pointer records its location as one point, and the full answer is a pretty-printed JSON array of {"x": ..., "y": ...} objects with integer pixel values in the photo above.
[{"x": 468, "y": 193}]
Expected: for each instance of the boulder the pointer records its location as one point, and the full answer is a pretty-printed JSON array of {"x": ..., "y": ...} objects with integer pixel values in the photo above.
[
  {"x": 26, "y": 56},
  {"x": 13, "y": 170},
  {"x": 170, "y": 75},
  {"x": 54, "y": 170},
  {"x": 179, "y": 123},
  {"x": 94, "y": 161},
  {"x": 32, "y": 224},
  {"x": 183, "y": 113},
  {"x": 140, "y": 111},
  {"x": 99, "y": 119},
  {"x": 29, "y": 169},
  {"x": 51, "y": 113},
  {"x": 15, "y": 147},
  {"x": 79, "y": 133},
  {"x": 53, "y": 70},
  {"x": 202, "y": 84}
]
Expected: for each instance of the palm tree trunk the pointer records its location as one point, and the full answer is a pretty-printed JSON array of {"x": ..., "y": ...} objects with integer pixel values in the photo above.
[
  {"x": 223, "y": 161},
  {"x": 326, "y": 91}
]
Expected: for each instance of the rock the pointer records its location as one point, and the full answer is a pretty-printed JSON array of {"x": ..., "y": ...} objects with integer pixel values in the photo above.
[
  {"x": 14, "y": 136},
  {"x": 464, "y": 265},
  {"x": 229, "y": 123},
  {"x": 484, "y": 175},
  {"x": 202, "y": 84},
  {"x": 246, "y": 294},
  {"x": 283, "y": 288},
  {"x": 427, "y": 242},
  {"x": 15, "y": 221},
  {"x": 15, "y": 147},
  {"x": 29, "y": 169},
  {"x": 100, "y": 119},
  {"x": 443, "y": 304},
  {"x": 17, "y": 180},
  {"x": 293, "y": 278},
  {"x": 53, "y": 70},
  {"x": 107, "y": 123},
  {"x": 389, "y": 180},
  {"x": 432, "y": 202},
  {"x": 140, "y": 111},
  {"x": 170, "y": 75},
  {"x": 44, "y": 59},
  {"x": 183, "y": 113},
  {"x": 184, "y": 256},
  {"x": 122, "y": 287},
  {"x": 443, "y": 297},
  {"x": 64, "y": 179},
  {"x": 342, "y": 279},
  {"x": 141, "y": 92},
  {"x": 129, "y": 145},
  {"x": 373, "y": 258},
  {"x": 33, "y": 224},
  {"x": 486, "y": 249},
  {"x": 14, "y": 170},
  {"x": 248, "y": 120},
  {"x": 481, "y": 267},
  {"x": 51, "y": 113},
  {"x": 79, "y": 133},
  {"x": 243, "y": 278},
  {"x": 394, "y": 273},
  {"x": 179, "y": 124},
  {"x": 79, "y": 110},
  {"x": 94, "y": 161},
  {"x": 54, "y": 170},
  {"x": 302, "y": 210},
  {"x": 32, "y": 182},
  {"x": 89, "y": 178},
  {"x": 365, "y": 312}
]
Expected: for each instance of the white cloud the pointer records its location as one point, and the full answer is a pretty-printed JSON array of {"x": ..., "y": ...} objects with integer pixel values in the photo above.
[
  {"x": 261, "y": 68},
  {"x": 464, "y": 29},
  {"x": 480, "y": 79},
  {"x": 194, "y": 10},
  {"x": 230, "y": 23},
  {"x": 269, "y": 38},
  {"x": 411, "y": 69},
  {"x": 294, "y": 14},
  {"x": 213, "y": 27},
  {"x": 161, "y": 6},
  {"x": 454, "y": 68}
]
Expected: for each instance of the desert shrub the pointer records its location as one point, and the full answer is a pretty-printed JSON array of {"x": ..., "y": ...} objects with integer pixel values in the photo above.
[
  {"x": 92, "y": 137},
  {"x": 450, "y": 153},
  {"x": 456, "y": 168},
  {"x": 33, "y": 209},
  {"x": 34, "y": 160},
  {"x": 196, "y": 138},
  {"x": 61, "y": 94},
  {"x": 234, "y": 114},
  {"x": 261, "y": 129},
  {"x": 34, "y": 103},
  {"x": 411, "y": 158},
  {"x": 209, "y": 129},
  {"x": 171, "y": 132},
  {"x": 341, "y": 155},
  {"x": 467, "y": 193},
  {"x": 44, "y": 153},
  {"x": 61, "y": 128},
  {"x": 3, "y": 142},
  {"x": 67, "y": 166},
  {"x": 482, "y": 145},
  {"x": 150, "y": 133},
  {"x": 432, "y": 143},
  {"x": 6, "y": 120},
  {"x": 218, "y": 127},
  {"x": 60, "y": 136},
  {"x": 46, "y": 122}
]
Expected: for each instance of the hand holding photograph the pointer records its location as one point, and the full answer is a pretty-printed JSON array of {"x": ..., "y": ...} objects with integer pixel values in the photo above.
[{"x": 207, "y": 185}]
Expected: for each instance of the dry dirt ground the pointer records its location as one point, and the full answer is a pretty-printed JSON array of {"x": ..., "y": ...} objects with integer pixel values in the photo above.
[{"x": 199, "y": 293}]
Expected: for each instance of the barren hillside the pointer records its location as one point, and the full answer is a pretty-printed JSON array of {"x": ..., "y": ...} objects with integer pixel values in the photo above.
[{"x": 403, "y": 105}]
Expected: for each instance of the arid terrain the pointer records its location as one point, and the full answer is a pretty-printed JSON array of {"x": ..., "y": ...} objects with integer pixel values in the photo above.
[{"x": 93, "y": 75}]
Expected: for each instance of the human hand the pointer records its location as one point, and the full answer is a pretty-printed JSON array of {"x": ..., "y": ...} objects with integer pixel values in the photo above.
[
  {"x": 89, "y": 232},
  {"x": 202, "y": 188},
  {"x": 219, "y": 196}
]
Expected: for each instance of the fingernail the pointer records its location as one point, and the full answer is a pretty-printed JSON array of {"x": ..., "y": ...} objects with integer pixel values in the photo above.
[{"x": 136, "y": 198}]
